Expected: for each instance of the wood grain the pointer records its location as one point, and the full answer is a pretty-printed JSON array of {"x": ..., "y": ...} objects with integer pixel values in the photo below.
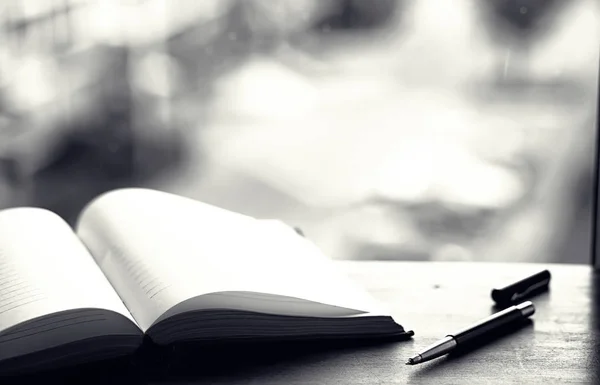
[
  {"x": 560, "y": 345},
  {"x": 434, "y": 299}
]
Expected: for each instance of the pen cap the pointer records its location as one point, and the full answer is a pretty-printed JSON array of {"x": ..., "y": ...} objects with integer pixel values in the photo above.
[{"x": 522, "y": 289}]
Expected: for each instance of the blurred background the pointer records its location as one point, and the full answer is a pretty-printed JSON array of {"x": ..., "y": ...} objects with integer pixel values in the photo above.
[{"x": 385, "y": 129}]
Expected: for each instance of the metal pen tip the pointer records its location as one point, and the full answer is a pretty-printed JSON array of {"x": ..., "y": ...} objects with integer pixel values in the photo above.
[{"x": 414, "y": 360}]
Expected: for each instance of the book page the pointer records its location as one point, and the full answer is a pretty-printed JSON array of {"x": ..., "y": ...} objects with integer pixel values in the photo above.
[
  {"x": 159, "y": 250},
  {"x": 140, "y": 239},
  {"x": 45, "y": 269}
]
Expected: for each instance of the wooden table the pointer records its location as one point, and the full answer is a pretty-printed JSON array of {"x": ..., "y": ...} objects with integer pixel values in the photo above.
[{"x": 559, "y": 346}]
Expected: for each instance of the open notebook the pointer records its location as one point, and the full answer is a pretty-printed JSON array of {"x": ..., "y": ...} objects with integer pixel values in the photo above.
[{"x": 147, "y": 263}]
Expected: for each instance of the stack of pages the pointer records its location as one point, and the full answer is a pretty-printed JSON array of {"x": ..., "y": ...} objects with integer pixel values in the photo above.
[{"x": 147, "y": 263}]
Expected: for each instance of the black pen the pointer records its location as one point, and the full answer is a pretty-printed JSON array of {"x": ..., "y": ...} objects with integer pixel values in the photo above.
[{"x": 481, "y": 328}]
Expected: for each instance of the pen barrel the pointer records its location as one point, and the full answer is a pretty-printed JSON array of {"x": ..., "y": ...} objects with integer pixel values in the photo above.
[{"x": 488, "y": 325}]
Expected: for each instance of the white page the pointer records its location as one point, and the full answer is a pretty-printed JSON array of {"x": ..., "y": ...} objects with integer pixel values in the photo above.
[
  {"x": 44, "y": 269},
  {"x": 159, "y": 250},
  {"x": 274, "y": 259},
  {"x": 137, "y": 238}
]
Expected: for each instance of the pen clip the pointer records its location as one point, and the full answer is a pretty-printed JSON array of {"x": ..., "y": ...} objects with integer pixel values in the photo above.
[{"x": 527, "y": 291}]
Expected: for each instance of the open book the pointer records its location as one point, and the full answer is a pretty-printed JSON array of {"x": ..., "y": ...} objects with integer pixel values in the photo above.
[{"x": 147, "y": 263}]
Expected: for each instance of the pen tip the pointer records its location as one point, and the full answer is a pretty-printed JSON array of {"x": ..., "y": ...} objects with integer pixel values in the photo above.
[{"x": 417, "y": 359}]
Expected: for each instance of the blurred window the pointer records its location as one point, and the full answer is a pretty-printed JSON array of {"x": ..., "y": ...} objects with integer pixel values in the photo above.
[{"x": 386, "y": 129}]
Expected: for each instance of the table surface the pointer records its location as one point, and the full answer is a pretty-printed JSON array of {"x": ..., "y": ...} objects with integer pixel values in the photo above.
[{"x": 434, "y": 299}]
